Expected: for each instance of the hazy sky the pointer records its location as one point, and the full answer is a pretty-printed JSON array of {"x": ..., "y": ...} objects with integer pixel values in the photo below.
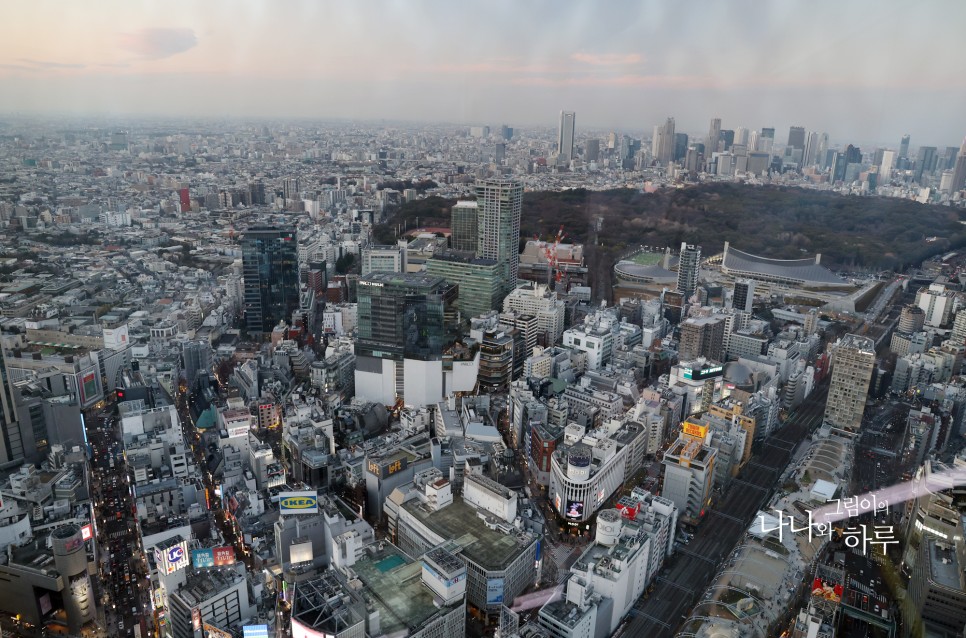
[{"x": 863, "y": 71}]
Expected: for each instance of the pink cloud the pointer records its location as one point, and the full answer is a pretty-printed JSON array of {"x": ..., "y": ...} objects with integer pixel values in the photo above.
[
  {"x": 157, "y": 43},
  {"x": 607, "y": 59},
  {"x": 656, "y": 81}
]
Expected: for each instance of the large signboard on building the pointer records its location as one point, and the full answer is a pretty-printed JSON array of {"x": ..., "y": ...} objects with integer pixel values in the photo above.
[
  {"x": 239, "y": 430},
  {"x": 201, "y": 558},
  {"x": 703, "y": 373},
  {"x": 388, "y": 468},
  {"x": 86, "y": 532},
  {"x": 695, "y": 430},
  {"x": 494, "y": 591},
  {"x": 196, "y": 618},
  {"x": 173, "y": 558},
  {"x": 88, "y": 389},
  {"x": 575, "y": 509},
  {"x": 302, "y": 552},
  {"x": 214, "y": 632},
  {"x": 224, "y": 555},
  {"x": 298, "y": 502},
  {"x": 116, "y": 338},
  {"x": 255, "y": 631}
]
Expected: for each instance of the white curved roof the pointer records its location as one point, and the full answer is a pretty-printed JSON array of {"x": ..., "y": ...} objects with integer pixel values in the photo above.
[{"x": 802, "y": 271}]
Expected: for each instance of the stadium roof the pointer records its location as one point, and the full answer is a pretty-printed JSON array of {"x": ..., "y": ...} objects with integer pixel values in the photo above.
[{"x": 804, "y": 272}]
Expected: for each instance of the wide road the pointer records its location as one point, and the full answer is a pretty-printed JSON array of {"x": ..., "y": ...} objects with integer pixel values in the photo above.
[{"x": 679, "y": 587}]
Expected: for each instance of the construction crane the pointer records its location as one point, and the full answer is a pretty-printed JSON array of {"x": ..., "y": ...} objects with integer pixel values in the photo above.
[{"x": 550, "y": 251}]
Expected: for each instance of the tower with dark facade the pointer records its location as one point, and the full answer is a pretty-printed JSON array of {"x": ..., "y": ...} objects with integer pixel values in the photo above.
[{"x": 270, "y": 269}]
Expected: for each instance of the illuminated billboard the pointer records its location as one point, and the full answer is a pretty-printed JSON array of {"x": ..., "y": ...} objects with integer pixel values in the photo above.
[
  {"x": 301, "y": 552},
  {"x": 171, "y": 559},
  {"x": 695, "y": 430},
  {"x": 196, "y": 618},
  {"x": 224, "y": 556},
  {"x": 298, "y": 502},
  {"x": 703, "y": 373},
  {"x": 388, "y": 468},
  {"x": 86, "y": 532},
  {"x": 822, "y": 589},
  {"x": 575, "y": 509},
  {"x": 202, "y": 558}
]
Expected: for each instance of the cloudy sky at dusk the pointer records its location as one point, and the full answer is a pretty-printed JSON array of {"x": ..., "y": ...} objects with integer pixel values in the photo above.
[{"x": 863, "y": 71}]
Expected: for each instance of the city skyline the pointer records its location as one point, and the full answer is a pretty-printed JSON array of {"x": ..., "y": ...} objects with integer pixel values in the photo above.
[{"x": 629, "y": 68}]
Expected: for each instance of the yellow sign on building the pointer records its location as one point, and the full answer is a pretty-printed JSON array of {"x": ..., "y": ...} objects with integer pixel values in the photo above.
[{"x": 694, "y": 430}]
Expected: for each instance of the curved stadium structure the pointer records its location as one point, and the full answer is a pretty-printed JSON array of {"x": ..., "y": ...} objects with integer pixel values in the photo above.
[
  {"x": 804, "y": 273},
  {"x": 647, "y": 267}
]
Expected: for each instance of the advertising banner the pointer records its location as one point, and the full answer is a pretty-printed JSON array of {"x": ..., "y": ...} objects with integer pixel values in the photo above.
[
  {"x": 298, "y": 502},
  {"x": 575, "y": 509},
  {"x": 214, "y": 632},
  {"x": 173, "y": 558},
  {"x": 224, "y": 556},
  {"x": 255, "y": 631},
  {"x": 494, "y": 591},
  {"x": 201, "y": 558}
]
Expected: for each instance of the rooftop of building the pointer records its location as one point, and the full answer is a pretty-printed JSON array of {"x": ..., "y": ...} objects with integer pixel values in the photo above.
[
  {"x": 564, "y": 612},
  {"x": 694, "y": 449},
  {"x": 394, "y": 586},
  {"x": 944, "y": 567},
  {"x": 462, "y": 257},
  {"x": 204, "y": 584},
  {"x": 858, "y": 342},
  {"x": 412, "y": 279},
  {"x": 323, "y": 604},
  {"x": 489, "y": 548}
]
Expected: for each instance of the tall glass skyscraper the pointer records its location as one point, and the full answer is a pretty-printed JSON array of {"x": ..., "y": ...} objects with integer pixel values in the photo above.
[
  {"x": 499, "y": 204},
  {"x": 270, "y": 269},
  {"x": 565, "y": 134},
  {"x": 405, "y": 315}
]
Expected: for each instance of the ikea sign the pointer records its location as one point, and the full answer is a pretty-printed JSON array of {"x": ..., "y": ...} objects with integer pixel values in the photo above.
[{"x": 298, "y": 503}]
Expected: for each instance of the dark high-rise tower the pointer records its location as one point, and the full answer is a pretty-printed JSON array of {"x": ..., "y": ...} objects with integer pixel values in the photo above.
[
  {"x": 853, "y": 154},
  {"x": 796, "y": 137},
  {"x": 925, "y": 163},
  {"x": 270, "y": 269},
  {"x": 689, "y": 267},
  {"x": 680, "y": 146},
  {"x": 11, "y": 437},
  {"x": 744, "y": 295},
  {"x": 405, "y": 315},
  {"x": 904, "y": 147},
  {"x": 499, "y": 204}
]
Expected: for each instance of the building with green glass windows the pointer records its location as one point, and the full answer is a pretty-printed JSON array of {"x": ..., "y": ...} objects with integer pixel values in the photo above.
[{"x": 480, "y": 280}]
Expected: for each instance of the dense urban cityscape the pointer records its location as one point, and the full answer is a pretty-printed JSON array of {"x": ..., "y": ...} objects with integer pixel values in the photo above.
[
  {"x": 346, "y": 377},
  {"x": 229, "y": 408}
]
